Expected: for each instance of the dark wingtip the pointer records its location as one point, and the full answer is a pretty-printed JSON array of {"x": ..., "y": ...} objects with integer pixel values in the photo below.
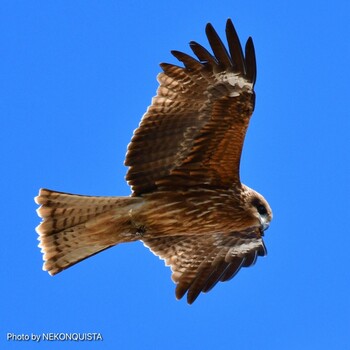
[
  {"x": 242, "y": 64},
  {"x": 250, "y": 60},
  {"x": 203, "y": 54},
  {"x": 209, "y": 27},
  {"x": 191, "y": 297},
  {"x": 218, "y": 47},
  {"x": 223, "y": 58},
  {"x": 181, "y": 290},
  {"x": 235, "y": 48}
]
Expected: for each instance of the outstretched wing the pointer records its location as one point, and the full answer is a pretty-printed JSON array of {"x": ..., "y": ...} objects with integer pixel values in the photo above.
[
  {"x": 198, "y": 263},
  {"x": 193, "y": 132}
]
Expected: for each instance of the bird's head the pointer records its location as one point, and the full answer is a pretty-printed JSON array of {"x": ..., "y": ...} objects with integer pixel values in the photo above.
[{"x": 259, "y": 207}]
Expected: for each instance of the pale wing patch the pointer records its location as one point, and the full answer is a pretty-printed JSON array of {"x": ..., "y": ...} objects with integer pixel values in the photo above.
[{"x": 239, "y": 83}]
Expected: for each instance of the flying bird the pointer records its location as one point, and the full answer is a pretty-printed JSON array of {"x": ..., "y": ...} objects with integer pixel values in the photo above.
[{"x": 187, "y": 205}]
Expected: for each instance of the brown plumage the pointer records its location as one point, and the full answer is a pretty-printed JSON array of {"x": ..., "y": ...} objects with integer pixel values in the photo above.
[{"x": 187, "y": 203}]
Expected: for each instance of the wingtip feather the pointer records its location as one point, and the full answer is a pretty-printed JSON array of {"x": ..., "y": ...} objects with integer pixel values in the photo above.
[{"x": 250, "y": 60}]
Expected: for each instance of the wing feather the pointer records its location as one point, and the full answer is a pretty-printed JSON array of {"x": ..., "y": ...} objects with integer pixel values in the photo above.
[
  {"x": 193, "y": 132},
  {"x": 250, "y": 60},
  {"x": 199, "y": 262},
  {"x": 218, "y": 47},
  {"x": 204, "y": 56},
  {"x": 189, "y": 62},
  {"x": 235, "y": 48}
]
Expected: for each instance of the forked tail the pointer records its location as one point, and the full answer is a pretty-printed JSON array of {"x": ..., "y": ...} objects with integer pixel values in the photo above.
[{"x": 76, "y": 227}]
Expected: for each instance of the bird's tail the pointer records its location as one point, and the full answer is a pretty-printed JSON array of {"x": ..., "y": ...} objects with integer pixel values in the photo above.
[{"x": 76, "y": 227}]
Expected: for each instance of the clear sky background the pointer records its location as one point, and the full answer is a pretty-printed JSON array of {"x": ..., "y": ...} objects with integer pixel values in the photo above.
[{"x": 75, "y": 79}]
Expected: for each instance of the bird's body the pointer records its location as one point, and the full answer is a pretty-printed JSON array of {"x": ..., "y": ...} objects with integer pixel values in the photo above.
[{"x": 188, "y": 204}]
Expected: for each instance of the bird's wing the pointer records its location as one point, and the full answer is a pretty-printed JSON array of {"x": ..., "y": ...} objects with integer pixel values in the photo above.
[
  {"x": 199, "y": 262},
  {"x": 193, "y": 132}
]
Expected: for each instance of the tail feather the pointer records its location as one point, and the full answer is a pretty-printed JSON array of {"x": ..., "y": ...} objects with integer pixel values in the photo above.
[
  {"x": 76, "y": 227},
  {"x": 61, "y": 210}
]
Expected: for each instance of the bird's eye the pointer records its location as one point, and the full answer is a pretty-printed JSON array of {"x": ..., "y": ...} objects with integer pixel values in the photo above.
[{"x": 261, "y": 209}]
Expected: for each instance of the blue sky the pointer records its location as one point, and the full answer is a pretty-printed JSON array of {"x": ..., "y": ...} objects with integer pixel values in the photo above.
[{"x": 76, "y": 77}]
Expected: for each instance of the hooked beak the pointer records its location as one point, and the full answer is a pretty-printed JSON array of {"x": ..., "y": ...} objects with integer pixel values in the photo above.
[{"x": 264, "y": 223}]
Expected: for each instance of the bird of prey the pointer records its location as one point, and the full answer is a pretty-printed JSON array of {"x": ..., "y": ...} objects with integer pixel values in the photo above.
[{"x": 187, "y": 205}]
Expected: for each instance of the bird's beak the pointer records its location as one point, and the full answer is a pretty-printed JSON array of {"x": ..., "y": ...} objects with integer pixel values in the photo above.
[{"x": 264, "y": 223}]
